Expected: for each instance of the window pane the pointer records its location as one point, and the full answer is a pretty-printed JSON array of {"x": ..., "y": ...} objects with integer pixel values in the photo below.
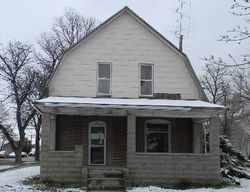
[
  {"x": 97, "y": 155},
  {"x": 157, "y": 127},
  {"x": 97, "y": 135},
  {"x": 146, "y": 87},
  {"x": 104, "y": 86},
  {"x": 104, "y": 71},
  {"x": 146, "y": 72},
  {"x": 157, "y": 142}
]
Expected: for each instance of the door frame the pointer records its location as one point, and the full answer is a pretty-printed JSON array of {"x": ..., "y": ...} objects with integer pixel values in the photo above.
[{"x": 96, "y": 124}]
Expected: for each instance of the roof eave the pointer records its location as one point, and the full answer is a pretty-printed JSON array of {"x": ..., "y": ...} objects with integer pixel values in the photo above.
[{"x": 41, "y": 106}]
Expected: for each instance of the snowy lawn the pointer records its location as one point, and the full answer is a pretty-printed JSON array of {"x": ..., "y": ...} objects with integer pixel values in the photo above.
[
  {"x": 4, "y": 167},
  {"x": 245, "y": 187},
  {"x": 11, "y": 181}
]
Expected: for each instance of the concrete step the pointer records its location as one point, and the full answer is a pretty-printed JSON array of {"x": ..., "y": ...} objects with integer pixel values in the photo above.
[
  {"x": 110, "y": 173},
  {"x": 109, "y": 182},
  {"x": 94, "y": 188},
  {"x": 107, "y": 190},
  {"x": 106, "y": 179},
  {"x": 105, "y": 175},
  {"x": 106, "y": 183}
]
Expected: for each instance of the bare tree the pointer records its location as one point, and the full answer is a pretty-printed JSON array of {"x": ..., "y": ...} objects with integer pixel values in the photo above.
[
  {"x": 239, "y": 33},
  {"x": 17, "y": 71},
  {"x": 243, "y": 132},
  {"x": 242, "y": 84},
  {"x": 229, "y": 88},
  {"x": 71, "y": 27},
  {"x": 235, "y": 113},
  {"x": 65, "y": 32},
  {"x": 214, "y": 81},
  {"x": 238, "y": 96},
  {"x": 2, "y": 140},
  {"x": 3, "y": 120},
  {"x": 232, "y": 91}
]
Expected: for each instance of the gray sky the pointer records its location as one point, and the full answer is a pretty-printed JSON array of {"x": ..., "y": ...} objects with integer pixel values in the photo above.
[{"x": 25, "y": 20}]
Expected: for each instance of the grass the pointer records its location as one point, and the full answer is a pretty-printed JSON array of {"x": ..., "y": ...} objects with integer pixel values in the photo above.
[
  {"x": 53, "y": 186},
  {"x": 50, "y": 185},
  {"x": 225, "y": 184},
  {"x": 188, "y": 185}
]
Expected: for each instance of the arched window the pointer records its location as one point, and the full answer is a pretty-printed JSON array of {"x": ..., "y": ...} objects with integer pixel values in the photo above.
[{"x": 158, "y": 136}]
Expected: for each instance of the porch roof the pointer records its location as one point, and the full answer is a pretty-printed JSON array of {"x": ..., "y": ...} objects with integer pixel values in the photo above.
[{"x": 140, "y": 103}]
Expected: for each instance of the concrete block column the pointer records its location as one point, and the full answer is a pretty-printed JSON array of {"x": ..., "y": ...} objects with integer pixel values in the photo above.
[
  {"x": 44, "y": 143},
  {"x": 197, "y": 134},
  {"x": 45, "y": 132},
  {"x": 131, "y": 146},
  {"x": 131, "y": 137},
  {"x": 214, "y": 133},
  {"x": 52, "y": 133}
]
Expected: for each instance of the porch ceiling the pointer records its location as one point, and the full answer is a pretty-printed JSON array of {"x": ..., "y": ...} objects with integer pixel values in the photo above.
[{"x": 118, "y": 106}]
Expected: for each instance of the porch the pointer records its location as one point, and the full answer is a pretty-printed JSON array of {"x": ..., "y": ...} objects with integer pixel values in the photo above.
[{"x": 159, "y": 145}]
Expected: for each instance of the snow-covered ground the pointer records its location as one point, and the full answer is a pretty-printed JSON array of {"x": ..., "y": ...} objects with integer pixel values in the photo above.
[
  {"x": 11, "y": 181},
  {"x": 245, "y": 188},
  {"x": 4, "y": 167}
]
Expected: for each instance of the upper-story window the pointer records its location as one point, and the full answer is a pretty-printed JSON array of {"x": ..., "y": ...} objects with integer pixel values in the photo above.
[
  {"x": 146, "y": 79},
  {"x": 104, "y": 79}
]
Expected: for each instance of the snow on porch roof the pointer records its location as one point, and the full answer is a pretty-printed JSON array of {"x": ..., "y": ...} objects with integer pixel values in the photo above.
[{"x": 125, "y": 103}]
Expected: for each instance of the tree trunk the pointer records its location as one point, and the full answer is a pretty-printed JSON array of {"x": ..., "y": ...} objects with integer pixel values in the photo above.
[
  {"x": 19, "y": 149},
  {"x": 18, "y": 158},
  {"x": 37, "y": 145}
]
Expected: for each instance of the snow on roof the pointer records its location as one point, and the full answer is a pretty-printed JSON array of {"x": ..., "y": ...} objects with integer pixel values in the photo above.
[{"x": 138, "y": 103}]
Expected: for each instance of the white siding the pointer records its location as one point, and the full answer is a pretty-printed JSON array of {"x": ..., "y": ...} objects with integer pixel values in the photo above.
[{"x": 125, "y": 43}]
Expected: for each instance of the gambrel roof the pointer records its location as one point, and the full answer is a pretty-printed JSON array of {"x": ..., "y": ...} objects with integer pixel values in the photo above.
[{"x": 153, "y": 32}]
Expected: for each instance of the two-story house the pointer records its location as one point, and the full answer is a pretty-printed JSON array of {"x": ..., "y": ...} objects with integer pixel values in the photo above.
[{"x": 125, "y": 108}]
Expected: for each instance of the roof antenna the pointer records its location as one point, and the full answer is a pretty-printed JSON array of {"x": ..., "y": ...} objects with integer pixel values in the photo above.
[{"x": 183, "y": 21}]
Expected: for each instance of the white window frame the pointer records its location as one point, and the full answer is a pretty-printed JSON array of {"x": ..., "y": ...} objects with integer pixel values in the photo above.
[
  {"x": 97, "y": 124},
  {"x": 160, "y": 122},
  {"x": 140, "y": 79},
  {"x": 97, "y": 79}
]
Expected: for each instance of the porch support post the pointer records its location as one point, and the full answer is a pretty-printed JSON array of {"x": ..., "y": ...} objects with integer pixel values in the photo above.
[
  {"x": 214, "y": 132},
  {"x": 197, "y": 130},
  {"x": 131, "y": 137},
  {"x": 44, "y": 144},
  {"x": 52, "y": 133},
  {"x": 45, "y": 133}
]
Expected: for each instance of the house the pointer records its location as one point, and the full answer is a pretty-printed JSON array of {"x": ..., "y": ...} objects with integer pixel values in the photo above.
[
  {"x": 125, "y": 108},
  {"x": 6, "y": 147}
]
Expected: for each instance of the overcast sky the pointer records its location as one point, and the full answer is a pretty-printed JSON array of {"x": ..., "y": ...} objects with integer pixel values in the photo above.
[{"x": 25, "y": 20}]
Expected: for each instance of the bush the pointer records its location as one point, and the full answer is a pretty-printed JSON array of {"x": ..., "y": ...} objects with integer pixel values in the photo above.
[
  {"x": 27, "y": 146},
  {"x": 232, "y": 162}
]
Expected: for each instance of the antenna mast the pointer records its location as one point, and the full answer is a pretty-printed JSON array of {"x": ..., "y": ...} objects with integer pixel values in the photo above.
[{"x": 183, "y": 20}]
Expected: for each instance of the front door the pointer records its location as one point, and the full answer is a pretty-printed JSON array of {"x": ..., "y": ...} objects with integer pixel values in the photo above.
[{"x": 97, "y": 143}]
